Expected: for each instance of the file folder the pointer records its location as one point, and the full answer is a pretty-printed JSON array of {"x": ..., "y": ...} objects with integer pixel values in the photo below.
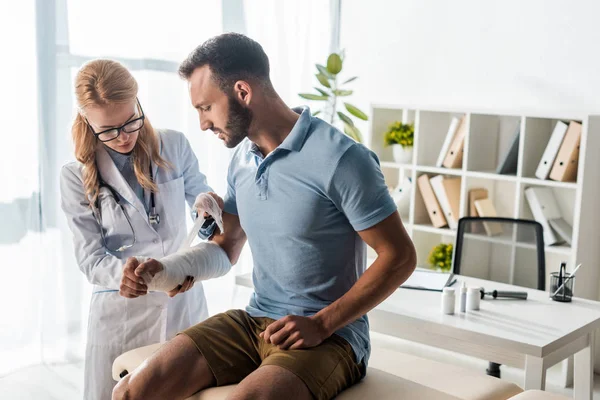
[
  {"x": 432, "y": 205},
  {"x": 455, "y": 152},
  {"x": 547, "y": 160},
  {"x": 544, "y": 208},
  {"x": 449, "y": 136},
  {"x": 565, "y": 164},
  {"x": 447, "y": 191},
  {"x": 485, "y": 208}
]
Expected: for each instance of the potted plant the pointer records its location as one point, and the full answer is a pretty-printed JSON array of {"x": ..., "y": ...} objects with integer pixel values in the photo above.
[
  {"x": 440, "y": 257},
  {"x": 401, "y": 137},
  {"x": 330, "y": 91}
]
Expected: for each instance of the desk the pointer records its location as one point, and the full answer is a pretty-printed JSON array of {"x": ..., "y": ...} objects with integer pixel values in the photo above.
[{"x": 531, "y": 334}]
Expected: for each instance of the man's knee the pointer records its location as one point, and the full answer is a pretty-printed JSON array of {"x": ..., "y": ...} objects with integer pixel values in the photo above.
[
  {"x": 121, "y": 390},
  {"x": 124, "y": 390}
]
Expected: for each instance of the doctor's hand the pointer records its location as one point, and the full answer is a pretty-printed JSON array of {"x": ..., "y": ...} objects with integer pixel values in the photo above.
[
  {"x": 219, "y": 201},
  {"x": 132, "y": 286},
  {"x": 295, "y": 332}
]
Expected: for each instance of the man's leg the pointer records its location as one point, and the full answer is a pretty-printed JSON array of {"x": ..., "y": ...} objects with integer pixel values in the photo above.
[
  {"x": 176, "y": 371},
  {"x": 271, "y": 382}
]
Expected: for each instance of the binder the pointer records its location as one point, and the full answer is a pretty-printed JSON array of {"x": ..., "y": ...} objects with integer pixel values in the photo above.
[
  {"x": 544, "y": 208},
  {"x": 486, "y": 208},
  {"x": 563, "y": 229},
  {"x": 508, "y": 165},
  {"x": 565, "y": 164},
  {"x": 447, "y": 191},
  {"x": 431, "y": 203},
  {"x": 455, "y": 152},
  {"x": 449, "y": 136},
  {"x": 547, "y": 160},
  {"x": 476, "y": 194}
]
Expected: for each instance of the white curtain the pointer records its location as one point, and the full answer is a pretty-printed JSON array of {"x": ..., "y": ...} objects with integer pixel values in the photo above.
[
  {"x": 295, "y": 35},
  {"x": 44, "y": 300},
  {"x": 20, "y": 238}
]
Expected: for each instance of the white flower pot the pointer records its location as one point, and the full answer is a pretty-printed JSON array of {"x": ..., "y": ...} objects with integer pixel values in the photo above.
[{"x": 402, "y": 155}]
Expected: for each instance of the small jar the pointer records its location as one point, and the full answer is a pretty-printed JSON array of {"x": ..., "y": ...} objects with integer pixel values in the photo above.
[
  {"x": 473, "y": 297},
  {"x": 448, "y": 301}
]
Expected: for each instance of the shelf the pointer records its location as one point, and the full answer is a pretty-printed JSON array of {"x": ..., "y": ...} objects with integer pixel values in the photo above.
[
  {"x": 507, "y": 240},
  {"x": 391, "y": 164},
  {"x": 431, "y": 229},
  {"x": 439, "y": 171},
  {"x": 549, "y": 183},
  {"x": 565, "y": 250},
  {"x": 491, "y": 175}
]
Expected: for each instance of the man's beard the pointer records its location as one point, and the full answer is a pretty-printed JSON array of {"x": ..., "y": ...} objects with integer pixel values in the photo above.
[{"x": 238, "y": 123}]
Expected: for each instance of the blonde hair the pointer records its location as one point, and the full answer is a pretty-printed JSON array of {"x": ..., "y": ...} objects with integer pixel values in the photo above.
[{"x": 102, "y": 83}]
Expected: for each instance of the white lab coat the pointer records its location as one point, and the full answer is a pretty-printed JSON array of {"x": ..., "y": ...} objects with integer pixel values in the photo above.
[{"x": 117, "y": 324}]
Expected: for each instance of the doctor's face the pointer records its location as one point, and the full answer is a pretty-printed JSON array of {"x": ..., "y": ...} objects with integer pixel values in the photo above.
[
  {"x": 106, "y": 118},
  {"x": 223, "y": 114}
]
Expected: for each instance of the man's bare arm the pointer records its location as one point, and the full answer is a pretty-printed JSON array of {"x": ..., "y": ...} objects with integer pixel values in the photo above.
[
  {"x": 200, "y": 262},
  {"x": 396, "y": 260}
]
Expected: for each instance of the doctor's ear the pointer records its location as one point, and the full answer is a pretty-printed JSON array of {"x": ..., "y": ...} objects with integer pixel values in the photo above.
[{"x": 243, "y": 92}]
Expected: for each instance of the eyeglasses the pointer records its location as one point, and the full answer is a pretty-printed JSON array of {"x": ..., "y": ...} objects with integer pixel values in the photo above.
[{"x": 129, "y": 127}]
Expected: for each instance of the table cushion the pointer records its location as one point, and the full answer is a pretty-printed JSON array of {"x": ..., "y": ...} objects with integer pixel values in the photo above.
[
  {"x": 539, "y": 395},
  {"x": 456, "y": 381},
  {"x": 376, "y": 385}
]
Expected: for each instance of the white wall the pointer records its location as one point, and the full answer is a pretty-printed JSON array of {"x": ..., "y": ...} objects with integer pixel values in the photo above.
[{"x": 529, "y": 55}]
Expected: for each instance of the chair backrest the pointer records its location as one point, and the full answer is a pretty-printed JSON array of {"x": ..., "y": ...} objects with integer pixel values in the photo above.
[{"x": 503, "y": 250}]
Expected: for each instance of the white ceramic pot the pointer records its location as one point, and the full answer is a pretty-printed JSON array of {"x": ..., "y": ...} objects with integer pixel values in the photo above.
[{"x": 402, "y": 155}]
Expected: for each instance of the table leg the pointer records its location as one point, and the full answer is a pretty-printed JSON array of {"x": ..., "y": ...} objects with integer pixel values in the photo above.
[
  {"x": 584, "y": 371},
  {"x": 535, "y": 373}
]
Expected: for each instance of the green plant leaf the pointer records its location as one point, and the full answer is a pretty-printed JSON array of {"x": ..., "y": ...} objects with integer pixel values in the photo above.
[
  {"x": 356, "y": 112},
  {"x": 340, "y": 92},
  {"x": 316, "y": 113},
  {"x": 310, "y": 96},
  {"x": 349, "y": 130},
  {"x": 346, "y": 119},
  {"x": 350, "y": 80},
  {"x": 324, "y": 93},
  {"x": 353, "y": 132},
  {"x": 323, "y": 80},
  {"x": 323, "y": 70},
  {"x": 334, "y": 64}
]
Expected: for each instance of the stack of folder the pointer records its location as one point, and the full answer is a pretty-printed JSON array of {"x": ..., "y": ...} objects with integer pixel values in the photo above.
[
  {"x": 441, "y": 196},
  {"x": 451, "y": 154},
  {"x": 561, "y": 156},
  {"x": 545, "y": 210}
]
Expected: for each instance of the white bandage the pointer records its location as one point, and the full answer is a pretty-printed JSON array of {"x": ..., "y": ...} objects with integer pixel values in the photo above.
[
  {"x": 204, "y": 261},
  {"x": 204, "y": 203}
]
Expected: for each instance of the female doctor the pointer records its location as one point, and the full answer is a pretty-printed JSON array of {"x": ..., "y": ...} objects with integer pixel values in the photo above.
[{"x": 126, "y": 197}]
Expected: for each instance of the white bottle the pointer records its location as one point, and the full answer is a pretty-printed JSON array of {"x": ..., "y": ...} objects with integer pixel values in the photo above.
[
  {"x": 463, "y": 297},
  {"x": 448, "y": 301},
  {"x": 473, "y": 296}
]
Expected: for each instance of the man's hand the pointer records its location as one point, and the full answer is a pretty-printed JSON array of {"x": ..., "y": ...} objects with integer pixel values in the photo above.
[
  {"x": 184, "y": 287},
  {"x": 148, "y": 269},
  {"x": 295, "y": 332},
  {"x": 132, "y": 286}
]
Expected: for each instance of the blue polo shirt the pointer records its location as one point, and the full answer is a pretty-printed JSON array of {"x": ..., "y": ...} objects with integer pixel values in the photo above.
[{"x": 301, "y": 207}]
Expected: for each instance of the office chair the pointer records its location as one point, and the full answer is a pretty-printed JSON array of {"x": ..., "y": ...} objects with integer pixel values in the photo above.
[{"x": 503, "y": 250}]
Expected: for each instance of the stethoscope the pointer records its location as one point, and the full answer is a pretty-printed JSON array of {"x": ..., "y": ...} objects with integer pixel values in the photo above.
[{"x": 153, "y": 216}]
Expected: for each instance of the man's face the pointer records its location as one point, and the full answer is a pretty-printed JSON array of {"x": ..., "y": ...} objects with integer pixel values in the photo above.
[{"x": 223, "y": 114}]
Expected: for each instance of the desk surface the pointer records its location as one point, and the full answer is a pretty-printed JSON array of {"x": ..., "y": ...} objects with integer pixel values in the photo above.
[{"x": 536, "y": 326}]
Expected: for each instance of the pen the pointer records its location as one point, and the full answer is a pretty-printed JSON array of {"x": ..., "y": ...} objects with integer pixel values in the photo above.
[{"x": 566, "y": 280}]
